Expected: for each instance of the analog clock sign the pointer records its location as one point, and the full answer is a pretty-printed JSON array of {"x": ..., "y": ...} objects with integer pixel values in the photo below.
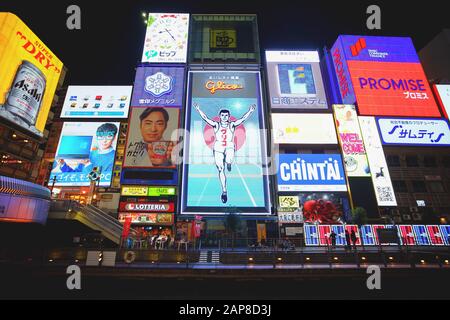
[{"x": 166, "y": 38}]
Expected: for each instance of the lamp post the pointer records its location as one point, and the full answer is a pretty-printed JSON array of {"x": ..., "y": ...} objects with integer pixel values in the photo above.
[{"x": 53, "y": 185}]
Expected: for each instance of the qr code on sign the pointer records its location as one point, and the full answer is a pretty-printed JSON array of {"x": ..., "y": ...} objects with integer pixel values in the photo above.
[{"x": 385, "y": 194}]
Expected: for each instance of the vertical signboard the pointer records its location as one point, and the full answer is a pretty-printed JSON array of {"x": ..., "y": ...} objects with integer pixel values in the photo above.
[
  {"x": 29, "y": 75},
  {"x": 445, "y": 231},
  {"x": 443, "y": 94},
  {"x": 289, "y": 210},
  {"x": 435, "y": 235},
  {"x": 226, "y": 149},
  {"x": 339, "y": 230},
  {"x": 152, "y": 137},
  {"x": 311, "y": 235},
  {"x": 354, "y": 228},
  {"x": 381, "y": 179},
  {"x": 158, "y": 87},
  {"x": 324, "y": 235},
  {"x": 421, "y": 235},
  {"x": 342, "y": 73},
  {"x": 166, "y": 38},
  {"x": 407, "y": 235},
  {"x": 350, "y": 139},
  {"x": 367, "y": 235},
  {"x": 376, "y": 227},
  {"x": 126, "y": 227},
  {"x": 295, "y": 80}
]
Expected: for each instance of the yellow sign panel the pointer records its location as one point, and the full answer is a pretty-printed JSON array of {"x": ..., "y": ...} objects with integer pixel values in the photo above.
[
  {"x": 223, "y": 38},
  {"x": 290, "y": 202},
  {"x": 165, "y": 218},
  {"x": 29, "y": 75},
  {"x": 135, "y": 191}
]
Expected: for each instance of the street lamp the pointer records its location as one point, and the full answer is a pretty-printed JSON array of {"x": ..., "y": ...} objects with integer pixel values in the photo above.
[{"x": 53, "y": 185}]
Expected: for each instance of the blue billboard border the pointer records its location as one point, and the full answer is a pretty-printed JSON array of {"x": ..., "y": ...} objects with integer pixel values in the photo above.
[
  {"x": 409, "y": 144},
  {"x": 211, "y": 211},
  {"x": 341, "y": 166}
]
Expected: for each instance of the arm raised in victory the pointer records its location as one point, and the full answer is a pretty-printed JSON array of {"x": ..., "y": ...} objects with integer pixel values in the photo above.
[
  {"x": 212, "y": 123},
  {"x": 240, "y": 121}
]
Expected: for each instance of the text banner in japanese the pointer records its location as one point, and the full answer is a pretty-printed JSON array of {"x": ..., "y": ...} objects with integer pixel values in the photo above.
[
  {"x": 426, "y": 132},
  {"x": 381, "y": 179}
]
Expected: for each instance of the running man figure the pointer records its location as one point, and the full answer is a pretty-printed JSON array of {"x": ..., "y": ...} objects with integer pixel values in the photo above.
[{"x": 224, "y": 147}]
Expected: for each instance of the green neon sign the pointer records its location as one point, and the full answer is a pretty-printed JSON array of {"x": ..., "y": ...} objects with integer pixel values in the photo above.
[{"x": 161, "y": 191}]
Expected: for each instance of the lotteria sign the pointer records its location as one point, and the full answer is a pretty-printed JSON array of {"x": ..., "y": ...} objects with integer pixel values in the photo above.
[
  {"x": 383, "y": 76},
  {"x": 424, "y": 132},
  {"x": 311, "y": 172},
  {"x": 146, "y": 207}
]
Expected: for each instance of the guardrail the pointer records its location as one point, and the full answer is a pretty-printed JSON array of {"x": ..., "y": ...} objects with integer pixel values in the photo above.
[{"x": 302, "y": 257}]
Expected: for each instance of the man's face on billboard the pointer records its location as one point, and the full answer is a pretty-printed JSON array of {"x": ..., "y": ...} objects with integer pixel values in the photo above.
[
  {"x": 105, "y": 140},
  {"x": 153, "y": 127},
  {"x": 224, "y": 116}
]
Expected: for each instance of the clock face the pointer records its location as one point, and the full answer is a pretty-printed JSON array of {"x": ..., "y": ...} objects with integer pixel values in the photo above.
[{"x": 166, "y": 38}]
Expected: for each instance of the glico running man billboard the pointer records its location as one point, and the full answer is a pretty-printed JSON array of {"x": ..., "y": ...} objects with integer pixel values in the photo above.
[
  {"x": 295, "y": 80},
  {"x": 158, "y": 87},
  {"x": 383, "y": 76},
  {"x": 226, "y": 150},
  {"x": 83, "y": 146},
  {"x": 29, "y": 75}
]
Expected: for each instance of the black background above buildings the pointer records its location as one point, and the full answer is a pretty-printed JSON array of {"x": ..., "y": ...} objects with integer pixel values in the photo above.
[{"x": 109, "y": 44}]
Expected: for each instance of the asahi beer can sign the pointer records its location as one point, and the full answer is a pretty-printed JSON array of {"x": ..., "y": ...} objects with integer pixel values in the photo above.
[
  {"x": 27, "y": 90},
  {"x": 29, "y": 76}
]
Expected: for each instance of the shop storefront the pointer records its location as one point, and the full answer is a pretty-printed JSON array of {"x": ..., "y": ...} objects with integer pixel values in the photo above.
[
  {"x": 298, "y": 208},
  {"x": 148, "y": 225},
  {"x": 151, "y": 210}
]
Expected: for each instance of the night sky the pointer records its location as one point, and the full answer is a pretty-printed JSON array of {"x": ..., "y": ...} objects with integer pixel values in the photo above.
[{"x": 108, "y": 47}]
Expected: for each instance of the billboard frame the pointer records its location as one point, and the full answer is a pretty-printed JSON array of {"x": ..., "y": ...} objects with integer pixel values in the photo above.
[
  {"x": 384, "y": 143},
  {"x": 268, "y": 208}
]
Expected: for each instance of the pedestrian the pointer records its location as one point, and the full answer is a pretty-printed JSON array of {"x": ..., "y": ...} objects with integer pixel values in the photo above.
[
  {"x": 354, "y": 239},
  {"x": 333, "y": 239},
  {"x": 168, "y": 240},
  {"x": 348, "y": 246}
]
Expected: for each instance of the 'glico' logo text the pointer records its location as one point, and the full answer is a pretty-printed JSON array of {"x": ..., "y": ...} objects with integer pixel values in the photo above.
[{"x": 220, "y": 85}]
